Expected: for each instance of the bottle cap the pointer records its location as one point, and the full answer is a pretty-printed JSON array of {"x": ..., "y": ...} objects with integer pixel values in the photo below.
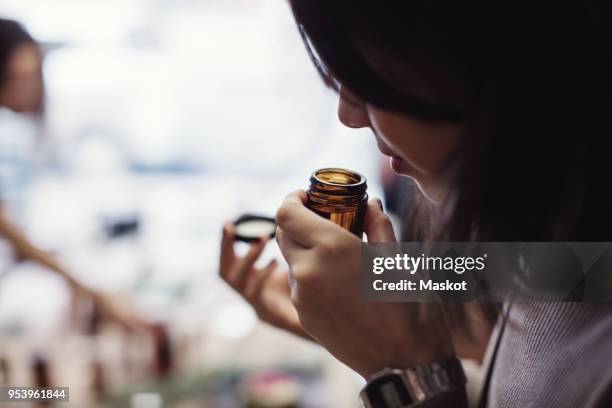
[{"x": 250, "y": 227}]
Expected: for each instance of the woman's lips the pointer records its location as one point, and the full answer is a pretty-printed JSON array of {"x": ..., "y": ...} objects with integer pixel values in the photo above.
[
  {"x": 382, "y": 147},
  {"x": 384, "y": 150},
  {"x": 396, "y": 162}
]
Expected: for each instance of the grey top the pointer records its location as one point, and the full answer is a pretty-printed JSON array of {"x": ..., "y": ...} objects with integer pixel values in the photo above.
[{"x": 551, "y": 355}]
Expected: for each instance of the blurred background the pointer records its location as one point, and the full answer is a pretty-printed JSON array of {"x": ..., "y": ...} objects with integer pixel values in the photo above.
[{"x": 162, "y": 119}]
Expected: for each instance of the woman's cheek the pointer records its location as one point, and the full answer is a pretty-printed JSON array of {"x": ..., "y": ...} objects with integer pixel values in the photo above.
[{"x": 425, "y": 146}]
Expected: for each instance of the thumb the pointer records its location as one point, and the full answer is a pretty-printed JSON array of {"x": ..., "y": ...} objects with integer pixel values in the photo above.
[{"x": 376, "y": 223}]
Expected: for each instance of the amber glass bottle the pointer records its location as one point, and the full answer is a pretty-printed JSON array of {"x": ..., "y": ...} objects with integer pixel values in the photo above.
[{"x": 340, "y": 196}]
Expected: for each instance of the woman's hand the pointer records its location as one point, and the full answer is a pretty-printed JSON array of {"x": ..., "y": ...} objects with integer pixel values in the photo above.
[
  {"x": 266, "y": 289},
  {"x": 324, "y": 262}
]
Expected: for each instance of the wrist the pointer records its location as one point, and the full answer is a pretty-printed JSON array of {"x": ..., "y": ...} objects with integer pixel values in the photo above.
[
  {"x": 409, "y": 358},
  {"x": 398, "y": 388}
]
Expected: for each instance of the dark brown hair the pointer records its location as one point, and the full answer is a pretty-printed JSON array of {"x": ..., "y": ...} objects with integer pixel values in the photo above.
[
  {"x": 12, "y": 35},
  {"x": 533, "y": 165}
]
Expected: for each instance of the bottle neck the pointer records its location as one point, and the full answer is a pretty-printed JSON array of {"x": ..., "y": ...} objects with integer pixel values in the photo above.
[{"x": 340, "y": 186}]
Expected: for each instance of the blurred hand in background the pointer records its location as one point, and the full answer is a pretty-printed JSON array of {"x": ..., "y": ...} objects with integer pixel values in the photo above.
[{"x": 266, "y": 289}]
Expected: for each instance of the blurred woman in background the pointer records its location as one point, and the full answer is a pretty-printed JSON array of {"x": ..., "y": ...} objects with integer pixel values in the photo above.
[
  {"x": 22, "y": 92},
  {"x": 21, "y": 79}
]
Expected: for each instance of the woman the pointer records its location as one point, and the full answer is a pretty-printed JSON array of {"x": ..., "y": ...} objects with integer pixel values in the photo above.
[
  {"x": 499, "y": 115},
  {"x": 22, "y": 91}
]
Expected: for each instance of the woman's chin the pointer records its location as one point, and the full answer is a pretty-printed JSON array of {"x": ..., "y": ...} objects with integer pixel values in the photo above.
[{"x": 403, "y": 168}]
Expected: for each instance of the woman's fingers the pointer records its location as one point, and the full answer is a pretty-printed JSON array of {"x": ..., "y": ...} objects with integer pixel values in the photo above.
[
  {"x": 227, "y": 250},
  {"x": 255, "y": 285},
  {"x": 289, "y": 248},
  {"x": 298, "y": 222},
  {"x": 376, "y": 223},
  {"x": 244, "y": 267}
]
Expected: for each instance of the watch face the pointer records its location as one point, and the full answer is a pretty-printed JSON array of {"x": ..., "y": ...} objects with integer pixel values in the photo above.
[{"x": 388, "y": 391}]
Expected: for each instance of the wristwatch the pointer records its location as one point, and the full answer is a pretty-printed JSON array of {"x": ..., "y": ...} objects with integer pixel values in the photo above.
[{"x": 396, "y": 388}]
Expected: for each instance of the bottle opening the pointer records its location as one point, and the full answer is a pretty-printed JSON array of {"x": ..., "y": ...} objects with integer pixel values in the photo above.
[{"x": 340, "y": 177}]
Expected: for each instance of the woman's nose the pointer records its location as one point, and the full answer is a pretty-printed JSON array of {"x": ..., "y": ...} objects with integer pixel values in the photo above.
[{"x": 352, "y": 112}]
